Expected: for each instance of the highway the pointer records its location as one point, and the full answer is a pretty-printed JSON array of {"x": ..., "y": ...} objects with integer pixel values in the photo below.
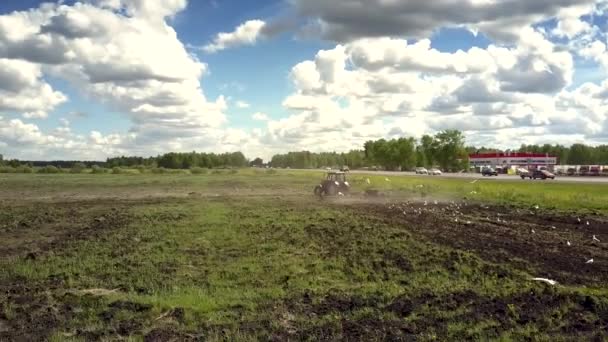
[{"x": 568, "y": 179}]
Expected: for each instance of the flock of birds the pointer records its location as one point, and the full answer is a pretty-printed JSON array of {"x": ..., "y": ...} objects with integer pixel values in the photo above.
[{"x": 455, "y": 210}]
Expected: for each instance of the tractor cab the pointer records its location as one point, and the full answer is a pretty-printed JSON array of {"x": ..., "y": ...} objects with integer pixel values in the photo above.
[
  {"x": 334, "y": 184},
  {"x": 336, "y": 176}
]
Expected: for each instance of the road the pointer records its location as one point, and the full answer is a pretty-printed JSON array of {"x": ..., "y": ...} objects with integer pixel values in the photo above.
[{"x": 574, "y": 179}]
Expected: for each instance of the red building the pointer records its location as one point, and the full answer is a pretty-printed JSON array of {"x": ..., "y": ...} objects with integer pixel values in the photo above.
[{"x": 513, "y": 159}]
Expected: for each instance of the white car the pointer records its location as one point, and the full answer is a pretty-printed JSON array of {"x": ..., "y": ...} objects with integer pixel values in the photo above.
[
  {"x": 421, "y": 171},
  {"x": 434, "y": 172}
]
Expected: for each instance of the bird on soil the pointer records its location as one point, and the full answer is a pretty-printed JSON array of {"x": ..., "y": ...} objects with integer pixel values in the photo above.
[
  {"x": 545, "y": 280},
  {"x": 590, "y": 261},
  {"x": 595, "y": 239}
]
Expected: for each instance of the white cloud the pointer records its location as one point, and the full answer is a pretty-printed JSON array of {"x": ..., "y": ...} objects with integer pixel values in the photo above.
[
  {"x": 113, "y": 58},
  {"x": 247, "y": 33},
  {"x": 348, "y": 20},
  {"x": 242, "y": 104},
  {"x": 260, "y": 117},
  {"x": 125, "y": 55},
  {"x": 570, "y": 24},
  {"x": 384, "y": 87},
  {"x": 23, "y": 90}
]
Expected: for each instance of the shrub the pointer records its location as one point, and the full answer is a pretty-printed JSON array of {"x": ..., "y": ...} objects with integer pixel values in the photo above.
[
  {"x": 158, "y": 170},
  {"x": 78, "y": 168},
  {"x": 24, "y": 169},
  {"x": 96, "y": 169},
  {"x": 217, "y": 172},
  {"x": 49, "y": 169},
  {"x": 116, "y": 170},
  {"x": 7, "y": 169},
  {"x": 271, "y": 171},
  {"x": 140, "y": 168},
  {"x": 234, "y": 171},
  {"x": 198, "y": 170}
]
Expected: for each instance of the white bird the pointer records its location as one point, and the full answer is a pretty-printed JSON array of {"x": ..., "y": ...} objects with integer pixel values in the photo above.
[
  {"x": 590, "y": 261},
  {"x": 386, "y": 179},
  {"x": 368, "y": 181},
  {"x": 578, "y": 219},
  {"x": 456, "y": 220},
  {"x": 340, "y": 194},
  {"x": 587, "y": 222},
  {"x": 498, "y": 220},
  {"x": 426, "y": 203},
  {"x": 536, "y": 207},
  {"x": 553, "y": 227},
  {"x": 435, "y": 202},
  {"x": 532, "y": 231},
  {"x": 468, "y": 222},
  {"x": 568, "y": 243},
  {"x": 596, "y": 239},
  {"x": 545, "y": 280}
]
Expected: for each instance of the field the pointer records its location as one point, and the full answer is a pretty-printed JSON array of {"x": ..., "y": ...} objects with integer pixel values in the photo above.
[{"x": 252, "y": 255}]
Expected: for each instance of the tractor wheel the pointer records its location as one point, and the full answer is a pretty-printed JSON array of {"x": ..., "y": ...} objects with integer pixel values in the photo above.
[
  {"x": 331, "y": 190},
  {"x": 318, "y": 191}
]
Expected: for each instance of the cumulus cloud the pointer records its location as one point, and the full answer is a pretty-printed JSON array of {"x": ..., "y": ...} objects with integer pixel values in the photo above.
[
  {"x": 23, "y": 90},
  {"x": 378, "y": 81},
  {"x": 260, "y": 117},
  {"x": 347, "y": 20},
  {"x": 242, "y": 104},
  {"x": 247, "y": 33},
  {"x": 120, "y": 52},
  {"x": 383, "y": 87}
]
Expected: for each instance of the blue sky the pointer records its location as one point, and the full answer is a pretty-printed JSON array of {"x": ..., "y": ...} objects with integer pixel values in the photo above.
[{"x": 233, "y": 78}]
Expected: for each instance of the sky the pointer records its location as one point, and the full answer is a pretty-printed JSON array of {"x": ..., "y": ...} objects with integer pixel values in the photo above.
[{"x": 94, "y": 79}]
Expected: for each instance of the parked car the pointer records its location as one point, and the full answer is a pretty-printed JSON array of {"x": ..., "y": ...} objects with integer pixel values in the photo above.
[
  {"x": 523, "y": 173},
  {"x": 488, "y": 171},
  {"x": 571, "y": 171},
  {"x": 539, "y": 174},
  {"x": 421, "y": 171},
  {"x": 434, "y": 172}
]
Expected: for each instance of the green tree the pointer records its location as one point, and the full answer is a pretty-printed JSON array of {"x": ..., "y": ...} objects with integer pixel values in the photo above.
[{"x": 450, "y": 150}]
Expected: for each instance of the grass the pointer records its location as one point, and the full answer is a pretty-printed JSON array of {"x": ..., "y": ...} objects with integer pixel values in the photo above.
[
  {"x": 288, "y": 266},
  {"x": 547, "y": 194}
]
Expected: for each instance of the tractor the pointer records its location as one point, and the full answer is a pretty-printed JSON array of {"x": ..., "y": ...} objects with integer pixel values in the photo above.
[{"x": 334, "y": 184}]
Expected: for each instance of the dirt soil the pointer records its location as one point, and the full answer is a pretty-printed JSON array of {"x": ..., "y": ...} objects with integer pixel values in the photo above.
[
  {"x": 43, "y": 228},
  {"x": 530, "y": 239}
]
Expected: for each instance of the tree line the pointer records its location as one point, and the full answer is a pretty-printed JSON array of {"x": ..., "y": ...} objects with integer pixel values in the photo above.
[
  {"x": 168, "y": 161},
  {"x": 182, "y": 160},
  {"x": 308, "y": 160},
  {"x": 445, "y": 150}
]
